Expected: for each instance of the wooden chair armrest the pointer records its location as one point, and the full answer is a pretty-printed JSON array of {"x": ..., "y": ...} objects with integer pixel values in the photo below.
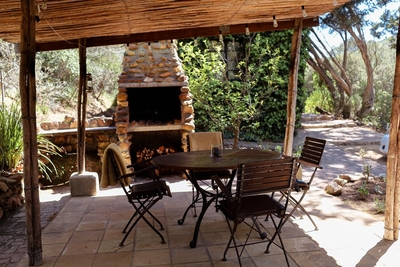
[
  {"x": 309, "y": 164},
  {"x": 139, "y": 163},
  {"x": 221, "y": 185},
  {"x": 148, "y": 168}
]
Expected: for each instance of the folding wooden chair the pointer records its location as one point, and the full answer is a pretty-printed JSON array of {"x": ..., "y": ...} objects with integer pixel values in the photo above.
[
  {"x": 310, "y": 158},
  {"x": 142, "y": 196},
  {"x": 199, "y": 141},
  {"x": 252, "y": 199}
]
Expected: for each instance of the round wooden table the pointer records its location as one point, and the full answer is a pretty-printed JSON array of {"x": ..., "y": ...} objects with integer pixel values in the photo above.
[{"x": 202, "y": 161}]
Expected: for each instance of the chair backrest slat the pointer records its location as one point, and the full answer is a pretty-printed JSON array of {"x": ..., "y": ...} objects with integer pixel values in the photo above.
[
  {"x": 312, "y": 150},
  {"x": 265, "y": 176}
]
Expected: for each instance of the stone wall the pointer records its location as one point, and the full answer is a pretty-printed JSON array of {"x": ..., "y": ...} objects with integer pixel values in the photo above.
[
  {"x": 70, "y": 122},
  {"x": 100, "y": 132}
]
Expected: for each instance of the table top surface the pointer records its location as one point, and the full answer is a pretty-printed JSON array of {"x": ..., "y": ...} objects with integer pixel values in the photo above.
[{"x": 201, "y": 160}]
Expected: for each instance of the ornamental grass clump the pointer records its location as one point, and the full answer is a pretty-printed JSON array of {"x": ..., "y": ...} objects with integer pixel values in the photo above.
[{"x": 11, "y": 143}]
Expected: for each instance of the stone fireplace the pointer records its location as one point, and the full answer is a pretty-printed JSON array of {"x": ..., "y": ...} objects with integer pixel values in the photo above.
[{"x": 154, "y": 110}]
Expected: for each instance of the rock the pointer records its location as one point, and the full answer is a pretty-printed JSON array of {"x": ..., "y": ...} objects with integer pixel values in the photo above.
[
  {"x": 333, "y": 189},
  {"x": 340, "y": 181},
  {"x": 344, "y": 177},
  {"x": 351, "y": 177}
]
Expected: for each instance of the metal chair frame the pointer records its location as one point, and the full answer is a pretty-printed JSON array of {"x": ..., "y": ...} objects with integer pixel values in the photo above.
[
  {"x": 142, "y": 196},
  {"x": 256, "y": 183},
  {"x": 310, "y": 157}
]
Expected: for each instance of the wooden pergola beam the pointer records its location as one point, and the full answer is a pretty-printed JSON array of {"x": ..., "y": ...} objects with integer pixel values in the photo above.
[{"x": 175, "y": 34}]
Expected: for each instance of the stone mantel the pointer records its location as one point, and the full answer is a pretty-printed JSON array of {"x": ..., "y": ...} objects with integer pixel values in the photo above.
[
  {"x": 151, "y": 84},
  {"x": 154, "y": 128}
]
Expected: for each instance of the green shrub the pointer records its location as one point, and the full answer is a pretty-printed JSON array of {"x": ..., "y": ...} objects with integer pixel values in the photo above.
[
  {"x": 46, "y": 149},
  {"x": 379, "y": 205},
  {"x": 320, "y": 97},
  {"x": 363, "y": 190},
  {"x": 11, "y": 143}
]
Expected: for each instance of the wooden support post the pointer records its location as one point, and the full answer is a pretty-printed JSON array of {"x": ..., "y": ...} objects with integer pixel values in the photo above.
[
  {"x": 393, "y": 165},
  {"x": 292, "y": 89},
  {"x": 82, "y": 183},
  {"x": 81, "y": 106},
  {"x": 27, "y": 86}
]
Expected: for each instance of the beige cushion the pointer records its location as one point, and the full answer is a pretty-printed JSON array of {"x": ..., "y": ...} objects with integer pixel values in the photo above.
[
  {"x": 204, "y": 140},
  {"x": 299, "y": 173}
]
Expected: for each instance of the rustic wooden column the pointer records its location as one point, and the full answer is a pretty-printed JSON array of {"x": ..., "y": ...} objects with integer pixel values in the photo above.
[
  {"x": 27, "y": 86},
  {"x": 81, "y": 106},
  {"x": 82, "y": 183},
  {"x": 292, "y": 88},
  {"x": 392, "y": 166}
]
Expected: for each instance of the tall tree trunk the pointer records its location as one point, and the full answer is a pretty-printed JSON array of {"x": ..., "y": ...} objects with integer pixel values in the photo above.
[
  {"x": 368, "y": 97},
  {"x": 332, "y": 71},
  {"x": 236, "y": 137},
  {"x": 393, "y": 158},
  {"x": 27, "y": 85}
]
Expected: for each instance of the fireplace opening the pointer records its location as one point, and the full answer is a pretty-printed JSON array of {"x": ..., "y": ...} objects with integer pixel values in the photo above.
[{"x": 156, "y": 105}]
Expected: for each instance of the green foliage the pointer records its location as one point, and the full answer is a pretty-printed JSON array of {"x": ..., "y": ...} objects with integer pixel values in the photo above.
[
  {"x": 388, "y": 23},
  {"x": 275, "y": 49},
  {"x": 353, "y": 70},
  {"x": 104, "y": 63},
  {"x": 46, "y": 149},
  {"x": 297, "y": 152},
  {"x": 383, "y": 62},
  {"x": 254, "y": 102},
  {"x": 205, "y": 71},
  {"x": 58, "y": 78},
  {"x": 220, "y": 103},
  {"x": 379, "y": 205},
  {"x": 363, "y": 190},
  {"x": 9, "y": 73},
  {"x": 320, "y": 97},
  {"x": 11, "y": 144},
  {"x": 366, "y": 168}
]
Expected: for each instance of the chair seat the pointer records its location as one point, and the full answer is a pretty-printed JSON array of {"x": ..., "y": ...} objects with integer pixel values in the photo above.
[
  {"x": 251, "y": 206},
  {"x": 149, "y": 189}
]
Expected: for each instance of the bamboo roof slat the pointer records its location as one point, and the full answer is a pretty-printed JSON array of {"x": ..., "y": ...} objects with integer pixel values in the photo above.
[{"x": 75, "y": 19}]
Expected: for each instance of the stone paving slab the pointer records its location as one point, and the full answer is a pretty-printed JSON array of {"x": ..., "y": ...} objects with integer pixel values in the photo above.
[{"x": 13, "y": 236}]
